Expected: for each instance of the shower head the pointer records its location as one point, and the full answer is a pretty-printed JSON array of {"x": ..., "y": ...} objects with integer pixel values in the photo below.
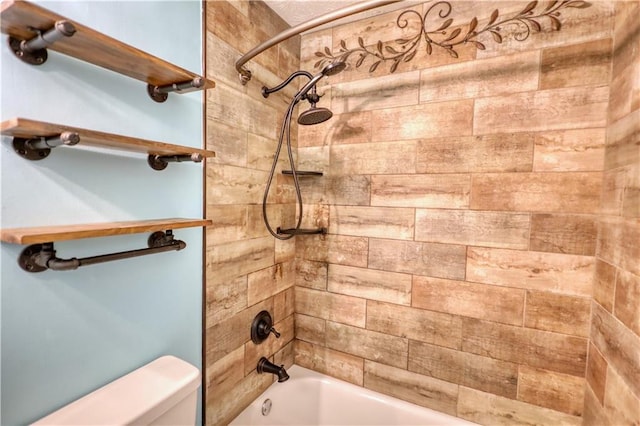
[
  {"x": 331, "y": 69},
  {"x": 334, "y": 68},
  {"x": 314, "y": 116}
]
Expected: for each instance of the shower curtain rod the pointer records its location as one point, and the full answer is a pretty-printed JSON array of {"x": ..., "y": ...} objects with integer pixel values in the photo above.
[{"x": 245, "y": 74}]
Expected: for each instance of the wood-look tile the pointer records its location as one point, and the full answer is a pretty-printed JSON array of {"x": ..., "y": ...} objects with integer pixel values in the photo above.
[
  {"x": 560, "y": 392},
  {"x": 223, "y": 375},
  {"x": 593, "y": 413},
  {"x": 367, "y": 344},
  {"x": 452, "y": 118},
  {"x": 627, "y": 300},
  {"x": 226, "y": 22},
  {"x": 310, "y": 329},
  {"x": 230, "y": 260},
  {"x": 222, "y": 409},
  {"x": 580, "y": 64},
  {"x": 613, "y": 188},
  {"x": 631, "y": 197},
  {"x": 225, "y": 300},
  {"x": 485, "y": 408},
  {"x": 335, "y": 307},
  {"x": 620, "y": 404},
  {"x": 260, "y": 152},
  {"x": 558, "y": 273},
  {"x": 625, "y": 30},
  {"x": 596, "y": 373},
  {"x": 267, "y": 282},
  {"x": 619, "y": 346},
  {"x": 233, "y": 108},
  {"x": 604, "y": 281},
  {"x": 559, "y": 313},
  {"x": 500, "y": 75},
  {"x": 622, "y": 142},
  {"x": 504, "y": 152},
  {"x": 543, "y": 110},
  {"x": 570, "y": 192},
  {"x": 226, "y": 336},
  {"x": 348, "y": 190},
  {"x": 474, "y": 228},
  {"x": 482, "y": 301},
  {"x": 478, "y": 372},
  {"x": 624, "y": 90},
  {"x": 311, "y": 274},
  {"x": 428, "y": 191},
  {"x": 346, "y": 128},
  {"x": 235, "y": 185},
  {"x": 340, "y": 249},
  {"x": 231, "y": 149},
  {"x": 286, "y": 355},
  {"x": 374, "y": 222},
  {"x": 365, "y": 158},
  {"x": 283, "y": 304},
  {"x": 312, "y": 42},
  {"x": 408, "y": 386},
  {"x": 416, "y": 324},
  {"x": 324, "y": 360},
  {"x": 535, "y": 348},
  {"x": 370, "y": 284},
  {"x": 428, "y": 259},
  {"x": 569, "y": 150},
  {"x": 285, "y": 250},
  {"x": 571, "y": 234},
  {"x": 618, "y": 243},
  {"x": 229, "y": 223},
  {"x": 400, "y": 89}
]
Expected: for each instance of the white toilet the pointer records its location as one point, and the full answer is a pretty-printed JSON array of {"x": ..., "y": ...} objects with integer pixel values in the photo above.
[{"x": 163, "y": 392}]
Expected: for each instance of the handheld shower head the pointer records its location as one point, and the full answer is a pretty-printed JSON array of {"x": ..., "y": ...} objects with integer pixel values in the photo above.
[
  {"x": 331, "y": 69},
  {"x": 334, "y": 68}
]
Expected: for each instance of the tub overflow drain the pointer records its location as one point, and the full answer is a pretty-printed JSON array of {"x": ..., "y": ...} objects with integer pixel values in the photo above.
[{"x": 266, "y": 407}]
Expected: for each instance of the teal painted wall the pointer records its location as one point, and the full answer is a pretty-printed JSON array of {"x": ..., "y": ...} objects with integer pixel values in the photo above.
[{"x": 65, "y": 334}]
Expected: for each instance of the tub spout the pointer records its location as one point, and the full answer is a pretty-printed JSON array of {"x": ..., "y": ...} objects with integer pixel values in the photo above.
[{"x": 265, "y": 366}]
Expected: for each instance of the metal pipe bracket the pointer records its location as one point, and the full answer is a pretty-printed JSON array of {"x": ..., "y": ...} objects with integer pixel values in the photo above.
[
  {"x": 161, "y": 93},
  {"x": 37, "y": 148},
  {"x": 34, "y": 51},
  {"x": 40, "y": 257}
]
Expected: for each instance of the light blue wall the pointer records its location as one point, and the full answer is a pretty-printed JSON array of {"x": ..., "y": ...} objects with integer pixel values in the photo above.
[{"x": 65, "y": 334}]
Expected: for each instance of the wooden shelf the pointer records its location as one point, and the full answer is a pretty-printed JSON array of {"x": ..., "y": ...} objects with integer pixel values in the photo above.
[
  {"x": 29, "y": 129},
  {"x": 48, "y": 234},
  {"x": 16, "y": 17}
]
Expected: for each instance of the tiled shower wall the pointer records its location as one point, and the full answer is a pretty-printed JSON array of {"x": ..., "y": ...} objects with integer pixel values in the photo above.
[
  {"x": 247, "y": 270},
  {"x": 613, "y": 370},
  {"x": 462, "y": 199}
]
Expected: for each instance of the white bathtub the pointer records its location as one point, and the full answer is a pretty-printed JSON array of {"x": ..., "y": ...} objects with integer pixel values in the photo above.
[{"x": 310, "y": 398}]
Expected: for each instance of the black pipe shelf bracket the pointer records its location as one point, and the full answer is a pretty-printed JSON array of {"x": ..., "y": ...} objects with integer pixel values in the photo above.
[
  {"x": 40, "y": 257},
  {"x": 34, "y": 51},
  {"x": 160, "y": 162},
  {"x": 37, "y": 148}
]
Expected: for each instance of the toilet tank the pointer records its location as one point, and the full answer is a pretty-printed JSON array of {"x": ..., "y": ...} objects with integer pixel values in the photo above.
[{"x": 163, "y": 392}]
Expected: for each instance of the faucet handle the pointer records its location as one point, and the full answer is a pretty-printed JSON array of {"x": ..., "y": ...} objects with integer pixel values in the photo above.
[
  {"x": 261, "y": 327},
  {"x": 275, "y": 332}
]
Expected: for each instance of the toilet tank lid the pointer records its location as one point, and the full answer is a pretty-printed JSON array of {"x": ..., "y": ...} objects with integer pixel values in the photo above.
[{"x": 138, "y": 397}]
